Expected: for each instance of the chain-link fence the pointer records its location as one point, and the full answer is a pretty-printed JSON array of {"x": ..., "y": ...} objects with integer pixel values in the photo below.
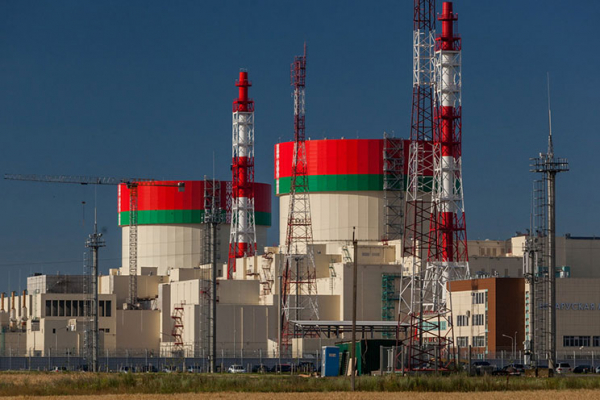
[{"x": 145, "y": 360}]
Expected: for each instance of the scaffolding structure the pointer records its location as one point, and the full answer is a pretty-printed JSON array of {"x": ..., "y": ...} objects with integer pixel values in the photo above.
[
  {"x": 390, "y": 294},
  {"x": 299, "y": 286},
  {"x": 393, "y": 186}
]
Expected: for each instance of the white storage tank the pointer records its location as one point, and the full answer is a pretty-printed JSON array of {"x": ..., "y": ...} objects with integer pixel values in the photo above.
[{"x": 170, "y": 228}]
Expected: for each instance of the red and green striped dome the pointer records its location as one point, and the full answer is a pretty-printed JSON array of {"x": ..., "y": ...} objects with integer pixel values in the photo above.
[
  {"x": 167, "y": 205},
  {"x": 338, "y": 165}
]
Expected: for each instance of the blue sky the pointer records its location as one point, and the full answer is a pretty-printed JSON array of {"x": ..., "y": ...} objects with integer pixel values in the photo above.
[{"x": 144, "y": 88}]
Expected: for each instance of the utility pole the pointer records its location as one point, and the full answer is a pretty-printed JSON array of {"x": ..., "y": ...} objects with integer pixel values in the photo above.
[
  {"x": 213, "y": 320},
  {"x": 353, "y": 348}
]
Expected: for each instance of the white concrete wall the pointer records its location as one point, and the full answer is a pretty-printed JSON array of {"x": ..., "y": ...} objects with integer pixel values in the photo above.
[
  {"x": 169, "y": 246},
  {"x": 334, "y": 214},
  {"x": 138, "y": 330}
]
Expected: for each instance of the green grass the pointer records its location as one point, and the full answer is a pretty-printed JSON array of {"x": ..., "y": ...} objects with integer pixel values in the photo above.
[{"x": 86, "y": 384}]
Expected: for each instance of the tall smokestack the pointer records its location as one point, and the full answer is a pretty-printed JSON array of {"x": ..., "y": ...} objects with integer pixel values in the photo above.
[{"x": 242, "y": 239}]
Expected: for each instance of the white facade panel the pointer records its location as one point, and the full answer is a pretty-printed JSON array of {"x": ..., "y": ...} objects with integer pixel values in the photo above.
[
  {"x": 334, "y": 214},
  {"x": 176, "y": 246}
]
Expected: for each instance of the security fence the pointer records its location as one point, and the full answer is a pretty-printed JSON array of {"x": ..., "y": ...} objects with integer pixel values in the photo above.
[{"x": 142, "y": 360}]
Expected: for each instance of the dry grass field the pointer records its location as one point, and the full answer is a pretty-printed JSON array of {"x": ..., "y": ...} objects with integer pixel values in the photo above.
[
  {"x": 84, "y": 386},
  {"x": 529, "y": 395}
]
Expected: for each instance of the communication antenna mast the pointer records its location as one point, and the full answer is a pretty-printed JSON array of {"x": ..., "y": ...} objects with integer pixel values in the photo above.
[
  {"x": 299, "y": 286},
  {"x": 549, "y": 166},
  {"x": 242, "y": 240}
]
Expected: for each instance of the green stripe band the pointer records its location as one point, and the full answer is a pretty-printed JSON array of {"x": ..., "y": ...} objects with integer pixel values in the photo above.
[
  {"x": 346, "y": 183},
  {"x": 335, "y": 183},
  {"x": 151, "y": 217}
]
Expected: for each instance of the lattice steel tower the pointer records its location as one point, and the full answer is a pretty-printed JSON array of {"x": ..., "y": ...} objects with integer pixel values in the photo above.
[
  {"x": 549, "y": 166},
  {"x": 535, "y": 270},
  {"x": 299, "y": 286},
  {"x": 393, "y": 186},
  {"x": 418, "y": 205},
  {"x": 208, "y": 291},
  {"x": 242, "y": 239},
  {"x": 429, "y": 312},
  {"x": 94, "y": 242}
]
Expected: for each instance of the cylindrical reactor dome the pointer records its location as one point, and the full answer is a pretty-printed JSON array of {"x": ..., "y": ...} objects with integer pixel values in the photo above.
[
  {"x": 345, "y": 180},
  {"x": 171, "y": 232}
]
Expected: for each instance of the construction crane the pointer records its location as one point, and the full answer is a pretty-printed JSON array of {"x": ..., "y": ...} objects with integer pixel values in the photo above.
[{"x": 132, "y": 184}]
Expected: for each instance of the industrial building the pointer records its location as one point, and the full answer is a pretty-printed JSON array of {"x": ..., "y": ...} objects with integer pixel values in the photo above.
[
  {"x": 196, "y": 267},
  {"x": 172, "y": 275}
]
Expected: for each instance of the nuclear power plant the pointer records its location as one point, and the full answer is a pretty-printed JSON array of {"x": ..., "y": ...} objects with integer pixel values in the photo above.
[{"x": 199, "y": 282}]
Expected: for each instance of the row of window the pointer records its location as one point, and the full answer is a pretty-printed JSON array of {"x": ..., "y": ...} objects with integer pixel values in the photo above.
[
  {"x": 579, "y": 341},
  {"x": 76, "y": 308},
  {"x": 479, "y": 297},
  {"x": 463, "y": 341},
  {"x": 463, "y": 320}
]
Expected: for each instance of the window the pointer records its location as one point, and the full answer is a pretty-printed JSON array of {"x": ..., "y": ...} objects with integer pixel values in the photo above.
[
  {"x": 462, "y": 320},
  {"x": 55, "y": 308},
  {"x": 68, "y": 305},
  {"x": 478, "y": 319},
  {"x": 48, "y": 308},
  {"x": 479, "y": 298},
  {"x": 61, "y": 308},
  {"x": 76, "y": 308},
  {"x": 577, "y": 341},
  {"x": 462, "y": 341},
  {"x": 596, "y": 341},
  {"x": 101, "y": 308},
  {"x": 478, "y": 341},
  {"x": 108, "y": 309}
]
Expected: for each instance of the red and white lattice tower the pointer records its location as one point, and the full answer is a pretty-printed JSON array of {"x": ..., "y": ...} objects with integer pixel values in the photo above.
[
  {"x": 418, "y": 204},
  {"x": 242, "y": 238},
  {"x": 299, "y": 286},
  {"x": 430, "y": 313},
  {"x": 448, "y": 244}
]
